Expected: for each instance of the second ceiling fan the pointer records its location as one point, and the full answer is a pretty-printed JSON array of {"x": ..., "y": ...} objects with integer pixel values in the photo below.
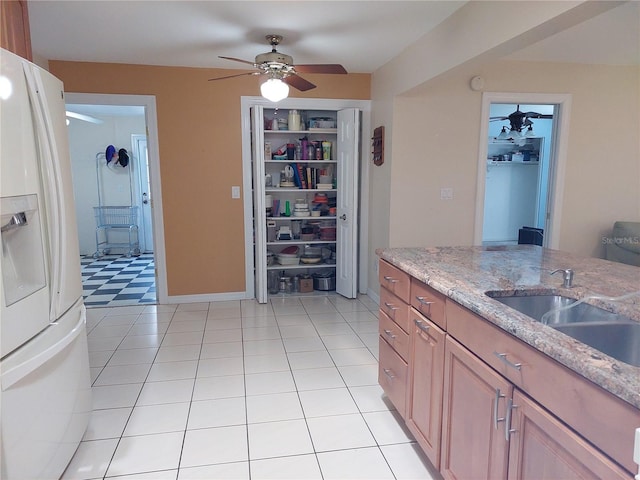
[{"x": 280, "y": 67}]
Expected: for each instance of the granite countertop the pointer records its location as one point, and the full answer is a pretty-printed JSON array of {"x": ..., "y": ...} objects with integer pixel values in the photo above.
[{"x": 464, "y": 274}]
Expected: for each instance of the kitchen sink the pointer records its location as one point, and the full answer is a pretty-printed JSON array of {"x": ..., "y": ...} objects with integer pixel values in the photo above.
[
  {"x": 618, "y": 340},
  {"x": 535, "y": 306},
  {"x": 613, "y": 334}
]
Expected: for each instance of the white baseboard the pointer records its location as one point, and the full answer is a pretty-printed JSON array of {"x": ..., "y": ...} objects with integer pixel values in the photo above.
[
  {"x": 208, "y": 297},
  {"x": 373, "y": 296}
]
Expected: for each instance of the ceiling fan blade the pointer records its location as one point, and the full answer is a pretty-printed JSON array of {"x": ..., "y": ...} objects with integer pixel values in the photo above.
[
  {"x": 538, "y": 115},
  {"x": 236, "y": 75},
  {"x": 84, "y": 118},
  {"x": 321, "y": 68},
  {"x": 237, "y": 60},
  {"x": 298, "y": 82}
]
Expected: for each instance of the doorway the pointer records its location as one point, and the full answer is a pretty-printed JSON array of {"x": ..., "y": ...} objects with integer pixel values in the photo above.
[
  {"x": 521, "y": 176},
  {"x": 119, "y": 275}
]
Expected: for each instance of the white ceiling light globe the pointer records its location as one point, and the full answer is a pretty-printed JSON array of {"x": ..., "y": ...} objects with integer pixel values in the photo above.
[{"x": 274, "y": 90}]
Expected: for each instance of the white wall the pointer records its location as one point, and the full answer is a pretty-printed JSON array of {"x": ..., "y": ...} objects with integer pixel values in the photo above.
[
  {"x": 603, "y": 158},
  {"x": 475, "y": 35},
  {"x": 86, "y": 140}
]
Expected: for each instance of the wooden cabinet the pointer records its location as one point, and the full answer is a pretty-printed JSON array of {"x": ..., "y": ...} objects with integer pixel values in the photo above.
[
  {"x": 424, "y": 396},
  {"x": 392, "y": 376},
  {"x": 394, "y": 335},
  {"x": 608, "y": 422},
  {"x": 542, "y": 447},
  {"x": 474, "y": 408},
  {"x": 492, "y": 430},
  {"x": 394, "y": 280},
  {"x": 15, "y": 34},
  {"x": 482, "y": 404}
]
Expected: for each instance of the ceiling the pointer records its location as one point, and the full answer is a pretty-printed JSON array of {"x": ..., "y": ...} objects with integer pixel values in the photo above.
[
  {"x": 361, "y": 35},
  {"x": 194, "y": 33}
]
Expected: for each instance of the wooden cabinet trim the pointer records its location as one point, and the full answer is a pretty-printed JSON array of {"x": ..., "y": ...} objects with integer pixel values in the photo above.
[{"x": 14, "y": 28}]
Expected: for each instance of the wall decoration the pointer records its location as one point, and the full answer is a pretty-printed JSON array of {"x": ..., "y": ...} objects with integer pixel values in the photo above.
[{"x": 378, "y": 145}]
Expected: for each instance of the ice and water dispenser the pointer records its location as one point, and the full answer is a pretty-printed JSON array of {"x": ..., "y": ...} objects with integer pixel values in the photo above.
[{"x": 23, "y": 266}]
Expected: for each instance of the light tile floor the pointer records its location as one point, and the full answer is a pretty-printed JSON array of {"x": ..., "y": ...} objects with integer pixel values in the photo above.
[{"x": 239, "y": 390}]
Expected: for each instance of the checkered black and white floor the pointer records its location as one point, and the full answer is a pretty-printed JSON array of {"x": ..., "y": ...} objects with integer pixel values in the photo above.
[{"x": 115, "y": 280}]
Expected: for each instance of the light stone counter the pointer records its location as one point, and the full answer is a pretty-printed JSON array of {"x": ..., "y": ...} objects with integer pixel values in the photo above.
[{"x": 465, "y": 274}]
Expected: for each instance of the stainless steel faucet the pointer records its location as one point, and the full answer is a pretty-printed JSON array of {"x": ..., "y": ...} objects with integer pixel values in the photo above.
[{"x": 567, "y": 274}]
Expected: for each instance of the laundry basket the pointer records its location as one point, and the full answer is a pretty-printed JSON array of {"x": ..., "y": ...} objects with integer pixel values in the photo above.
[{"x": 113, "y": 219}]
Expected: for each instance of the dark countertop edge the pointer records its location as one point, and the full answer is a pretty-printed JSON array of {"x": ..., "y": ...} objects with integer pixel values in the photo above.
[{"x": 607, "y": 373}]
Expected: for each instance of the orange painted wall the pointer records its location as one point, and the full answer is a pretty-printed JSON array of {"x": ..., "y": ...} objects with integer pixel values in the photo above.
[{"x": 199, "y": 132}]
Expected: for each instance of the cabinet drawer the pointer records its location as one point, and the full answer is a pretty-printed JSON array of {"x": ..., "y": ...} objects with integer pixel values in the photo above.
[
  {"x": 428, "y": 302},
  {"x": 394, "y": 335},
  {"x": 394, "y": 280},
  {"x": 395, "y": 308},
  {"x": 603, "y": 419},
  {"x": 392, "y": 376}
]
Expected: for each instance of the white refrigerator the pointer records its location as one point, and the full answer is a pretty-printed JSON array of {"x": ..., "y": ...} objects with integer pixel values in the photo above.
[{"x": 45, "y": 399}]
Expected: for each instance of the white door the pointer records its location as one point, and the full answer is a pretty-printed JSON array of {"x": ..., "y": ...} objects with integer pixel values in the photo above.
[
  {"x": 259, "y": 212},
  {"x": 141, "y": 158},
  {"x": 347, "y": 203}
]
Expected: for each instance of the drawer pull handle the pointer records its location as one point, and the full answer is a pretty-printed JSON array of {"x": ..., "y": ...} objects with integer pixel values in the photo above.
[
  {"x": 390, "y": 334},
  {"x": 390, "y": 279},
  {"x": 421, "y": 325},
  {"x": 505, "y": 360},
  {"x": 496, "y": 420},
  {"x": 422, "y": 301},
  {"x": 390, "y": 306},
  {"x": 507, "y": 424},
  {"x": 389, "y": 373}
]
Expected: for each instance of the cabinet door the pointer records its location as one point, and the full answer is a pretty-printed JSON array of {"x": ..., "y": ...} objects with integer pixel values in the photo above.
[
  {"x": 543, "y": 448},
  {"x": 347, "y": 203},
  {"x": 259, "y": 211},
  {"x": 14, "y": 27},
  {"x": 426, "y": 370},
  {"x": 474, "y": 407}
]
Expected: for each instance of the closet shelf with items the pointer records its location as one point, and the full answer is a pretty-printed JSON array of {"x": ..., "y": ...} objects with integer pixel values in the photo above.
[{"x": 303, "y": 172}]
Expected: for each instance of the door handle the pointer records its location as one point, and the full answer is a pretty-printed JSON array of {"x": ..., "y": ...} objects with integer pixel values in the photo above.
[
  {"x": 343, "y": 216},
  {"x": 145, "y": 198}
]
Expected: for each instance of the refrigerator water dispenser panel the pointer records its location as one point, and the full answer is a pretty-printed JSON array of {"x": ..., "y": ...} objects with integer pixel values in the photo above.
[{"x": 23, "y": 267}]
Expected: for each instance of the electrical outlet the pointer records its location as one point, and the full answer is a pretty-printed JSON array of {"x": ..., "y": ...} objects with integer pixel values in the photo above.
[
  {"x": 235, "y": 191},
  {"x": 446, "y": 193}
]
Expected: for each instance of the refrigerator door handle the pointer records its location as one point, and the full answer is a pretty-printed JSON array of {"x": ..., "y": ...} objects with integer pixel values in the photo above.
[
  {"x": 52, "y": 182},
  {"x": 17, "y": 373}
]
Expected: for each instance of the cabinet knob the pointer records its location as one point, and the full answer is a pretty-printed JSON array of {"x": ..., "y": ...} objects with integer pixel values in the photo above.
[{"x": 389, "y": 373}]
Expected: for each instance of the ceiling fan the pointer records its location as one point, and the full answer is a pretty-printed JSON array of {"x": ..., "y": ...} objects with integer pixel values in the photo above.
[
  {"x": 281, "y": 71},
  {"x": 518, "y": 120}
]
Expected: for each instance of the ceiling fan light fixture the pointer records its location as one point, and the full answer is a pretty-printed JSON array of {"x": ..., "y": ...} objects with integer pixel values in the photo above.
[
  {"x": 274, "y": 90},
  {"x": 529, "y": 132},
  {"x": 504, "y": 135}
]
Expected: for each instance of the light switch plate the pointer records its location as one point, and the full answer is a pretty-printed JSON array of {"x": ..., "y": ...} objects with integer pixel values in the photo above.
[
  {"x": 446, "y": 193},
  {"x": 235, "y": 191}
]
